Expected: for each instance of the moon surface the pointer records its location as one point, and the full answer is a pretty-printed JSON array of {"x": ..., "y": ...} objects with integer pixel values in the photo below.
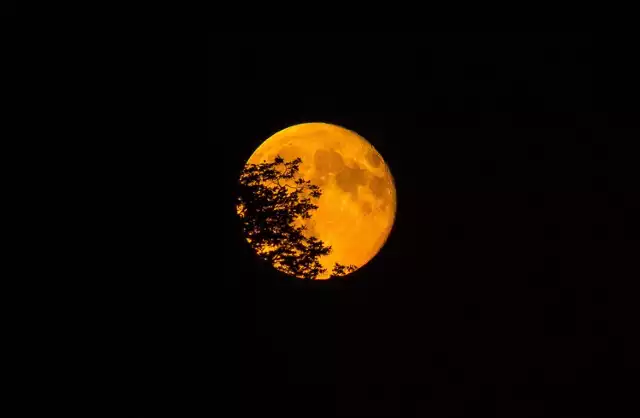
[{"x": 358, "y": 204}]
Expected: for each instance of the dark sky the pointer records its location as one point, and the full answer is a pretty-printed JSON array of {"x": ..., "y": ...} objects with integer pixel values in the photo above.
[
  {"x": 506, "y": 287},
  {"x": 8, "y": 9}
]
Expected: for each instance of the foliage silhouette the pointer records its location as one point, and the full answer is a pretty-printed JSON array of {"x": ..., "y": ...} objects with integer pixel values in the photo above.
[
  {"x": 340, "y": 270},
  {"x": 273, "y": 200}
]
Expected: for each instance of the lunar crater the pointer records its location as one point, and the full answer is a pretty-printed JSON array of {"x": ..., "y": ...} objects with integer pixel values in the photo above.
[
  {"x": 349, "y": 178},
  {"x": 373, "y": 159},
  {"x": 327, "y": 161},
  {"x": 378, "y": 186},
  {"x": 366, "y": 208}
]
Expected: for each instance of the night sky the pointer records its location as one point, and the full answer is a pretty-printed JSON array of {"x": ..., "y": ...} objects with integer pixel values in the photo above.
[
  {"x": 506, "y": 286},
  {"x": 8, "y": 8}
]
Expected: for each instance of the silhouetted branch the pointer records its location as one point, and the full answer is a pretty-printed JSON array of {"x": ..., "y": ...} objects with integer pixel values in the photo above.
[{"x": 269, "y": 210}]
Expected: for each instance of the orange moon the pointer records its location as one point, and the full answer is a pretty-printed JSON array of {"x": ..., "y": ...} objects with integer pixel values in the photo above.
[{"x": 358, "y": 204}]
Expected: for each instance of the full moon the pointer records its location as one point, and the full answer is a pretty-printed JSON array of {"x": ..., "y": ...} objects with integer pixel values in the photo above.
[{"x": 358, "y": 204}]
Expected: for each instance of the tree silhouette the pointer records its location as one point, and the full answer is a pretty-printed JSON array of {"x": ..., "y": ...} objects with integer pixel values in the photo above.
[
  {"x": 273, "y": 200},
  {"x": 340, "y": 270}
]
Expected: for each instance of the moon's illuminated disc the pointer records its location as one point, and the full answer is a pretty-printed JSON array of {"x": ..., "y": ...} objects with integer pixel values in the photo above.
[{"x": 358, "y": 204}]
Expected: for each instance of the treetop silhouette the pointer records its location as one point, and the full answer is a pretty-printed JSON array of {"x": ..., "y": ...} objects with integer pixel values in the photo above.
[{"x": 272, "y": 201}]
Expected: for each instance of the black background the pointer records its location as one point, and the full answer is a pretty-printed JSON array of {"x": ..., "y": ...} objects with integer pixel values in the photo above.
[
  {"x": 9, "y": 8},
  {"x": 506, "y": 287}
]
